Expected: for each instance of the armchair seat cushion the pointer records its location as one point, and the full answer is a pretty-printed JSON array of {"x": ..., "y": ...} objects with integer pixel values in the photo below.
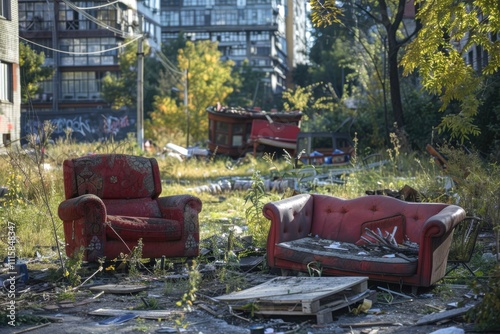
[{"x": 149, "y": 229}]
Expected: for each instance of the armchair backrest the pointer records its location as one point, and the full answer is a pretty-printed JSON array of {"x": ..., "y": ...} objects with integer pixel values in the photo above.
[{"x": 112, "y": 176}]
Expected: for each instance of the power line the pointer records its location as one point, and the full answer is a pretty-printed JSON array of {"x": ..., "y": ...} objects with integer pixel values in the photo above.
[
  {"x": 167, "y": 63},
  {"x": 93, "y": 19},
  {"x": 100, "y": 6},
  {"x": 81, "y": 53}
]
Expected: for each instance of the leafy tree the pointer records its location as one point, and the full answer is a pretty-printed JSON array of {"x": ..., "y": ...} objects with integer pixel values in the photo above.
[
  {"x": 169, "y": 74},
  {"x": 32, "y": 71},
  {"x": 320, "y": 114},
  {"x": 385, "y": 14},
  {"x": 245, "y": 87},
  {"x": 488, "y": 119},
  {"x": 209, "y": 81},
  {"x": 450, "y": 29},
  {"x": 120, "y": 89}
]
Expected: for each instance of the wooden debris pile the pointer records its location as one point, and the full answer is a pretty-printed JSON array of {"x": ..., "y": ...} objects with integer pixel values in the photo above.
[{"x": 387, "y": 240}]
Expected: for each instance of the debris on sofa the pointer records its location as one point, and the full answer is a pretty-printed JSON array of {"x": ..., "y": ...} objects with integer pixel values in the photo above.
[{"x": 387, "y": 240}]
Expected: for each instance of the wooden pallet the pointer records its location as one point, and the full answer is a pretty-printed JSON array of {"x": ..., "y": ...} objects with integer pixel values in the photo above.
[{"x": 307, "y": 296}]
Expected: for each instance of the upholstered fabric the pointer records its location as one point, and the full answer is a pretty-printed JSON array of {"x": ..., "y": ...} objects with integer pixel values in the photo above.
[
  {"x": 111, "y": 176},
  {"x": 112, "y": 201},
  {"x": 148, "y": 229},
  {"x": 429, "y": 225}
]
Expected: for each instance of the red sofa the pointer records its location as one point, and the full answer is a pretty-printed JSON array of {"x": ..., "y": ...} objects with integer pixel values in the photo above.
[
  {"x": 113, "y": 200},
  {"x": 306, "y": 229}
]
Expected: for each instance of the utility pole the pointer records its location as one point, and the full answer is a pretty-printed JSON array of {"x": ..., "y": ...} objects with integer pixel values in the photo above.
[
  {"x": 140, "y": 88},
  {"x": 186, "y": 106}
]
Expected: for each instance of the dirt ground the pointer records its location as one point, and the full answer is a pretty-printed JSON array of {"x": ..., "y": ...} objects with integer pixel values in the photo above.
[{"x": 393, "y": 309}]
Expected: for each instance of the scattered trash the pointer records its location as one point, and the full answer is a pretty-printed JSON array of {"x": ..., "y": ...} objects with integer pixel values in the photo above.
[
  {"x": 256, "y": 329},
  {"x": 118, "y": 320},
  {"x": 449, "y": 330},
  {"x": 166, "y": 330},
  {"x": 119, "y": 288}
]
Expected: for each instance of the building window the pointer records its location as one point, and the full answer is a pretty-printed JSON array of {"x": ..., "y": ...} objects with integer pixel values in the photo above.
[
  {"x": 225, "y": 17},
  {"x": 170, "y": 19},
  {"x": 81, "y": 85},
  {"x": 87, "y": 51},
  {"x": 5, "y": 82},
  {"x": 260, "y": 36},
  {"x": 263, "y": 51},
  {"x": 194, "y": 3},
  {"x": 225, "y": 2},
  {"x": 35, "y": 16},
  {"x": 222, "y": 133},
  {"x": 231, "y": 36},
  {"x": 5, "y": 9},
  {"x": 70, "y": 19},
  {"x": 172, "y": 3},
  {"x": 187, "y": 17}
]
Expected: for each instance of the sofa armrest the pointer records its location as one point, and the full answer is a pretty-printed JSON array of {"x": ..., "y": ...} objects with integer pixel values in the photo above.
[
  {"x": 291, "y": 219},
  {"x": 435, "y": 242},
  {"x": 442, "y": 223},
  {"x": 88, "y": 205}
]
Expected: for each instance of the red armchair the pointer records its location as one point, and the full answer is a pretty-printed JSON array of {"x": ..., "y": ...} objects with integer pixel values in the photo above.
[{"x": 112, "y": 201}]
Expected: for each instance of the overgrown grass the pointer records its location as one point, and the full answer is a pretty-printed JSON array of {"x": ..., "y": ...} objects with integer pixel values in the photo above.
[{"x": 25, "y": 207}]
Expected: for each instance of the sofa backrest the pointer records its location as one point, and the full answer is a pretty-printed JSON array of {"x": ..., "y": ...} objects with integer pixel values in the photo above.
[
  {"x": 342, "y": 219},
  {"x": 112, "y": 177}
]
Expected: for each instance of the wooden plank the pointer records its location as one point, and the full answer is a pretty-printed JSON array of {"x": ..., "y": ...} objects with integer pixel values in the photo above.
[
  {"x": 295, "y": 289},
  {"x": 158, "y": 314},
  {"x": 436, "y": 317},
  {"x": 119, "y": 288}
]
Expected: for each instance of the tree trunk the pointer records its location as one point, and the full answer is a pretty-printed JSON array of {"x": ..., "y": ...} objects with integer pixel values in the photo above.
[
  {"x": 391, "y": 29},
  {"x": 395, "y": 91}
]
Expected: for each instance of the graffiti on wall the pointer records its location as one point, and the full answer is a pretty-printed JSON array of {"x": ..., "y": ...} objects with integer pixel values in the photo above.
[{"x": 82, "y": 126}]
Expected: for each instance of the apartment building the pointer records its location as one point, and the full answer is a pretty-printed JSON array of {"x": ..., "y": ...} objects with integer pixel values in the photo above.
[
  {"x": 81, "y": 40},
  {"x": 270, "y": 34},
  {"x": 10, "y": 92}
]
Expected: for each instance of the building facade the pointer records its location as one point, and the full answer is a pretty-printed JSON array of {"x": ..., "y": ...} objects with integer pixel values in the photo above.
[
  {"x": 270, "y": 34},
  {"x": 81, "y": 40},
  {"x": 10, "y": 91}
]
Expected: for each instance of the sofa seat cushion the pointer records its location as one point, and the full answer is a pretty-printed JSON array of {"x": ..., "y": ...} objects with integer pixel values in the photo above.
[
  {"x": 149, "y": 229},
  {"x": 394, "y": 224},
  {"x": 345, "y": 257}
]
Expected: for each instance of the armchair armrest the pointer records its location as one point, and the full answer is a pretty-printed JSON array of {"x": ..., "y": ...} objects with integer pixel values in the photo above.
[
  {"x": 184, "y": 208},
  {"x": 173, "y": 207},
  {"x": 82, "y": 206}
]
